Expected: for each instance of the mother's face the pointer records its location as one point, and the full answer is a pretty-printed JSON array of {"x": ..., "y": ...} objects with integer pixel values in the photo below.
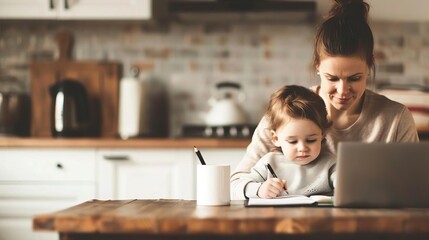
[{"x": 343, "y": 81}]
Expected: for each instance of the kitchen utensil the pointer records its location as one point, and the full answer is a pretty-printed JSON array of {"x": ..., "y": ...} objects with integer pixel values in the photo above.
[
  {"x": 130, "y": 93},
  {"x": 143, "y": 108},
  {"x": 226, "y": 106},
  {"x": 101, "y": 81},
  {"x": 213, "y": 185},
  {"x": 15, "y": 111},
  {"x": 69, "y": 109}
]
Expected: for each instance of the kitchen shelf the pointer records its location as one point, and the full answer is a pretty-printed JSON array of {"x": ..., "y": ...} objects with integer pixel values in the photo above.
[
  {"x": 118, "y": 143},
  {"x": 424, "y": 130},
  {"x": 135, "y": 143}
]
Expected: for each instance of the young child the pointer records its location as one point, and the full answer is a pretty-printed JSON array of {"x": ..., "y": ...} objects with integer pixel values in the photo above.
[{"x": 303, "y": 165}]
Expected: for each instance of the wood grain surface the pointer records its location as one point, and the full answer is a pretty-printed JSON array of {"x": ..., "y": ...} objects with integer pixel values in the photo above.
[
  {"x": 17, "y": 142},
  {"x": 101, "y": 80},
  {"x": 184, "y": 217}
]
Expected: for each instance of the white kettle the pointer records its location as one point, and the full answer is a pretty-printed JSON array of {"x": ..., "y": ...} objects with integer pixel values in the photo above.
[{"x": 225, "y": 106}]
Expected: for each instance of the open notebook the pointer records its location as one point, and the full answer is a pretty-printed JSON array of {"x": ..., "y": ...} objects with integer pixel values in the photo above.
[{"x": 291, "y": 200}]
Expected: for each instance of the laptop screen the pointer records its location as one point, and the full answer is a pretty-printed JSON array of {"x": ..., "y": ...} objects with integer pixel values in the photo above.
[{"x": 382, "y": 175}]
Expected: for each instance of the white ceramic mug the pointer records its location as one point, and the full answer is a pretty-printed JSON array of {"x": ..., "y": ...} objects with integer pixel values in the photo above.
[{"x": 213, "y": 185}]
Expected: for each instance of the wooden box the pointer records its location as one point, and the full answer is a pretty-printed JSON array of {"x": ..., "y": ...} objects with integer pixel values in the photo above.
[{"x": 101, "y": 80}]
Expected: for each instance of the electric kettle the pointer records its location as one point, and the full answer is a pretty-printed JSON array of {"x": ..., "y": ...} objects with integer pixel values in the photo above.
[
  {"x": 226, "y": 106},
  {"x": 69, "y": 109}
]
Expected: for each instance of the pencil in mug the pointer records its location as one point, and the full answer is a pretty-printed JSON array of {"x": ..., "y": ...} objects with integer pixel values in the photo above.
[{"x": 200, "y": 157}]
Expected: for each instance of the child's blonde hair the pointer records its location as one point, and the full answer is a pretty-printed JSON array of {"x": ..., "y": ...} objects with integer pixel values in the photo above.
[{"x": 297, "y": 102}]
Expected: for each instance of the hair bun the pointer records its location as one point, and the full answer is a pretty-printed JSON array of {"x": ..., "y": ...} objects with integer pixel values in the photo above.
[{"x": 354, "y": 10}]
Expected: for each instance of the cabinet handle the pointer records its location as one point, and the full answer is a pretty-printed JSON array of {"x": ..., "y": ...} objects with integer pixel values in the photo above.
[
  {"x": 51, "y": 4},
  {"x": 66, "y": 4},
  {"x": 59, "y": 166},
  {"x": 117, "y": 157}
]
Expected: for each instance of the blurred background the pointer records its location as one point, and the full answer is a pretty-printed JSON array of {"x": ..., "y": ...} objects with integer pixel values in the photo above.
[{"x": 189, "y": 54}]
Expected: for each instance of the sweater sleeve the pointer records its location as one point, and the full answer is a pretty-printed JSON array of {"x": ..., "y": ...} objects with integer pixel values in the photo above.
[
  {"x": 258, "y": 147},
  {"x": 333, "y": 177},
  {"x": 407, "y": 131},
  {"x": 247, "y": 184}
]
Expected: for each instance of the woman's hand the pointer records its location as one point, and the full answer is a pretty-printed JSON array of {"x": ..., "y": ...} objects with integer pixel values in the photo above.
[{"x": 271, "y": 188}]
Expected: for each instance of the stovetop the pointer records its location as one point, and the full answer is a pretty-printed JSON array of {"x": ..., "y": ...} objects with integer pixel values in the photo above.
[{"x": 229, "y": 131}]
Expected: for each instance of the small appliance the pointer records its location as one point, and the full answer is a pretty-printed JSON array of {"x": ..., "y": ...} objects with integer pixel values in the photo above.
[
  {"x": 130, "y": 94},
  {"x": 69, "y": 109},
  {"x": 143, "y": 106},
  {"x": 226, "y": 106},
  {"x": 231, "y": 131},
  {"x": 15, "y": 108},
  {"x": 234, "y": 10}
]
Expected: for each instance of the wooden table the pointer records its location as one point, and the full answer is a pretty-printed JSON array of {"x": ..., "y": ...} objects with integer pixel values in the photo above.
[
  {"x": 140, "y": 143},
  {"x": 182, "y": 219}
]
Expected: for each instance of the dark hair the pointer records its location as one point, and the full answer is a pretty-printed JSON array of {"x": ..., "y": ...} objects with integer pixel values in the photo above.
[
  {"x": 345, "y": 32},
  {"x": 292, "y": 101}
]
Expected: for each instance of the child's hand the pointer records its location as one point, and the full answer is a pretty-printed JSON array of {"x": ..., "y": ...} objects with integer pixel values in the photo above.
[{"x": 271, "y": 188}]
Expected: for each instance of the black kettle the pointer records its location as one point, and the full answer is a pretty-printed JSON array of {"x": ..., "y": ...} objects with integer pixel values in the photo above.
[{"x": 69, "y": 109}]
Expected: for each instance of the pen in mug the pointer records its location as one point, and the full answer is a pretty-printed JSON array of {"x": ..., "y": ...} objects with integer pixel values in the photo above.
[
  {"x": 274, "y": 175},
  {"x": 200, "y": 157}
]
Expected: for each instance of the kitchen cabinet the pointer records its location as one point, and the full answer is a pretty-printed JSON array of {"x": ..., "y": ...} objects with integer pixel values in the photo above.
[
  {"x": 231, "y": 156},
  {"x": 399, "y": 10},
  {"x": 42, "y": 179},
  {"x": 156, "y": 173},
  {"x": 146, "y": 173},
  {"x": 34, "y": 181},
  {"x": 76, "y": 9}
]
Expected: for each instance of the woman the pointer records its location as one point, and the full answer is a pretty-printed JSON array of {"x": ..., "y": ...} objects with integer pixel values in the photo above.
[{"x": 344, "y": 60}]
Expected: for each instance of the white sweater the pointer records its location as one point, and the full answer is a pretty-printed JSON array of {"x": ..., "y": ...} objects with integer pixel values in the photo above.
[{"x": 316, "y": 177}]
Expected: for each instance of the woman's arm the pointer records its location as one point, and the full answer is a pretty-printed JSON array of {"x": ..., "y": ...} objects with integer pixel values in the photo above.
[
  {"x": 407, "y": 131},
  {"x": 259, "y": 146}
]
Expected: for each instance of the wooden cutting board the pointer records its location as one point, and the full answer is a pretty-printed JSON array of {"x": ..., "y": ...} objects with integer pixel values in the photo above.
[{"x": 101, "y": 80}]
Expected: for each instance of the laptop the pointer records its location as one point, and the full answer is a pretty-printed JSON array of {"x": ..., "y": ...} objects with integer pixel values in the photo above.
[{"x": 382, "y": 175}]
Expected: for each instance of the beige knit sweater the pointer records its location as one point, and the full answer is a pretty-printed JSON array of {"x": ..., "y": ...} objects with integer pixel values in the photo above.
[{"x": 381, "y": 120}]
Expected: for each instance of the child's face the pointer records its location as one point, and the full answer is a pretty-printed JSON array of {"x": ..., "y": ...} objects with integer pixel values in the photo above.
[{"x": 299, "y": 139}]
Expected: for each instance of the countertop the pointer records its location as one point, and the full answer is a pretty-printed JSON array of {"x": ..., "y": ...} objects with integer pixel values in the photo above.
[
  {"x": 138, "y": 142},
  {"x": 119, "y": 143}
]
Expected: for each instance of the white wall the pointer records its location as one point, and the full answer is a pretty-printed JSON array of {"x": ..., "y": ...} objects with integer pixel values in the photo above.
[{"x": 390, "y": 10}]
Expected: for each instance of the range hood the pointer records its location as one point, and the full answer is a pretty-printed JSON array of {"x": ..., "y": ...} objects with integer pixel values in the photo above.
[{"x": 234, "y": 10}]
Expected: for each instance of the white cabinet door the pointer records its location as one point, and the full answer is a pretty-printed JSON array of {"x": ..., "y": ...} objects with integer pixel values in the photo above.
[
  {"x": 36, "y": 181},
  {"x": 20, "y": 202},
  {"x": 105, "y": 9},
  {"x": 146, "y": 174},
  {"x": 76, "y": 9},
  {"x": 28, "y": 9},
  {"x": 231, "y": 156},
  {"x": 51, "y": 165}
]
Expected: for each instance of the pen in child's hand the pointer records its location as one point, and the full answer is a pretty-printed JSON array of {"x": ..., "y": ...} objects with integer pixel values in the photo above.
[
  {"x": 275, "y": 175},
  {"x": 271, "y": 170}
]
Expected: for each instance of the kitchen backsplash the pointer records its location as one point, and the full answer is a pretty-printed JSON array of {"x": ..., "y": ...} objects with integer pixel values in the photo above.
[{"x": 190, "y": 59}]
